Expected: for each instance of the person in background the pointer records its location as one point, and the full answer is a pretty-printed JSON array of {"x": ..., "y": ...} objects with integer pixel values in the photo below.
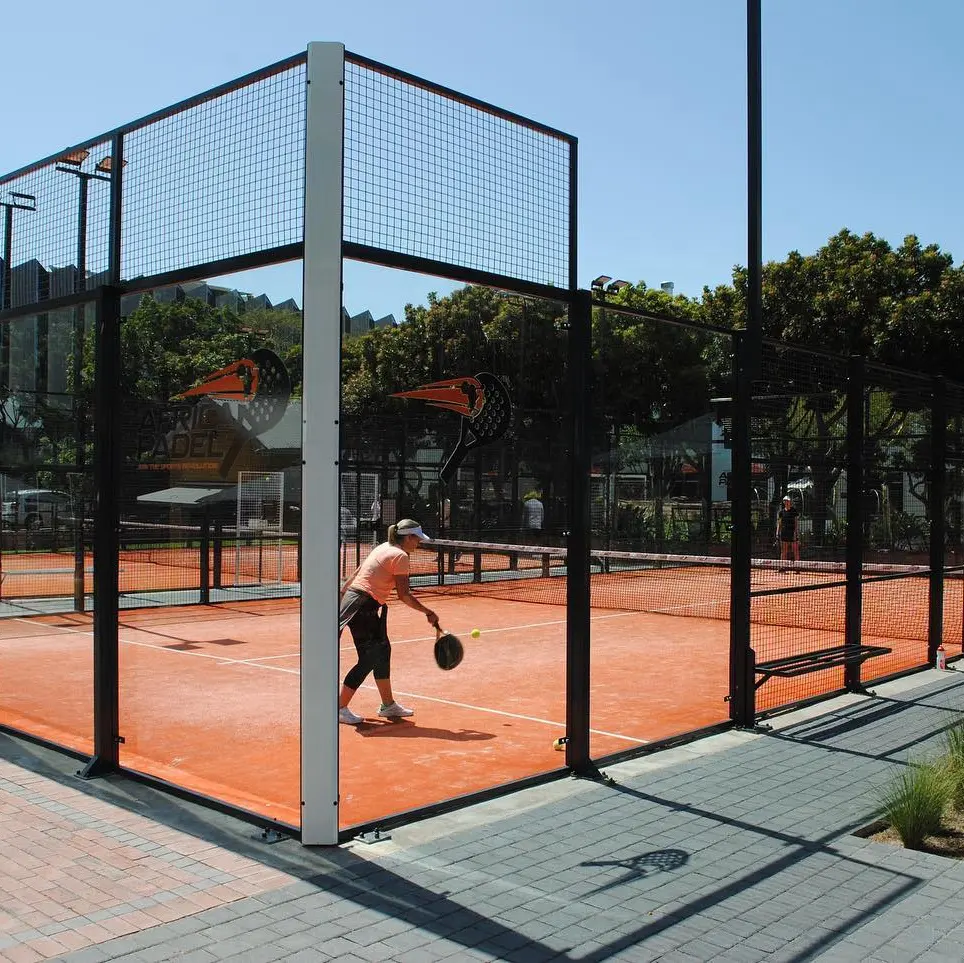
[
  {"x": 533, "y": 516},
  {"x": 788, "y": 531},
  {"x": 364, "y": 609}
]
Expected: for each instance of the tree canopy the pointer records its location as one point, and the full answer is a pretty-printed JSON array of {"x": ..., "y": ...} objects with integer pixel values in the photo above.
[{"x": 859, "y": 295}]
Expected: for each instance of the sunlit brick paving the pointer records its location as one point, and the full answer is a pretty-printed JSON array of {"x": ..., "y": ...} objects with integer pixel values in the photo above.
[{"x": 77, "y": 871}]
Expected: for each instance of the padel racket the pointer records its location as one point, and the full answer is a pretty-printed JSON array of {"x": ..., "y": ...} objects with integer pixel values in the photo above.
[
  {"x": 490, "y": 421},
  {"x": 449, "y": 650}
]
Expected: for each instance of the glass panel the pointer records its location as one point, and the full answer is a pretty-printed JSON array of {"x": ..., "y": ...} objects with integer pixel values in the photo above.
[
  {"x": 490, "y": 368},
  {"x": 897, "y": 519},
  {"x": 210, "y": 538},
  {"x": 799, "y": 435},
  {"x": 46, "y": 490},
  {"x": 660, "y": 522}
]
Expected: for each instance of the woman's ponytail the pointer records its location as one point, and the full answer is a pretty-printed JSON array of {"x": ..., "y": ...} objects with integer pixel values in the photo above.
[{"x": 392, "y": 535}]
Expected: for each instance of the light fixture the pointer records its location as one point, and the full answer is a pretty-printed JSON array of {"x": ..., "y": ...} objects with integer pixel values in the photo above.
[
  {"x": 597, "y": 285},
  {"x": 618, "y": 286},
  {"x": 24, "y": 202},
  {"x": 75, "y": 158},
  {"x": 105, "y": 165}
]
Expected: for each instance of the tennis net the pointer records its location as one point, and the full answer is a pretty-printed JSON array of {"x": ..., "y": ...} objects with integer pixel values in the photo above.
[{"x": 806, "y": 594}]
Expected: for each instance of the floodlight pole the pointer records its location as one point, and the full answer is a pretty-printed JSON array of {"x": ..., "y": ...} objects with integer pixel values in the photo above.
[
  {"x": 7, "y": 248},
  {"x": 17, "y": 202},
  {"x": 80, "y": 284}
]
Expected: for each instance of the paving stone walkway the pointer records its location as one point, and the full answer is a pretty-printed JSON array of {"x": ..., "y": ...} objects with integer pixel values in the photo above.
[{"x": 736, "y": 848}]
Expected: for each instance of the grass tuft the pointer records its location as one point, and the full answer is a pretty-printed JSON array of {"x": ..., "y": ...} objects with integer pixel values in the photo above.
[{"x": 914, "y": 801}]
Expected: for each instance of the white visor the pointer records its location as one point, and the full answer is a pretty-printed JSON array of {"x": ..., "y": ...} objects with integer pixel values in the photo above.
[{"x": 422, "y": 537}]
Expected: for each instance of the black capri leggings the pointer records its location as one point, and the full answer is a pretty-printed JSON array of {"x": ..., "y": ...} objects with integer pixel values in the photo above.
[{"x": 369, "y": 632}]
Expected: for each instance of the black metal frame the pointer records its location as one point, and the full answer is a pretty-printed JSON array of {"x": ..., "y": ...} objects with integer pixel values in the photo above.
[
  {"x": 935, "y": 622},
  {"x": 855, "y": 516},
  {"x": 742, "y": 659}
]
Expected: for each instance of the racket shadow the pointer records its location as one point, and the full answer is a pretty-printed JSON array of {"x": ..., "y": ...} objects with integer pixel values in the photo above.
[{"x": 645, "y": 864}]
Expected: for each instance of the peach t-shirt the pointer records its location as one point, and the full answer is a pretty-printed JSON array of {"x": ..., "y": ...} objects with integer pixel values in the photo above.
[{"x": 377, "y": 573}]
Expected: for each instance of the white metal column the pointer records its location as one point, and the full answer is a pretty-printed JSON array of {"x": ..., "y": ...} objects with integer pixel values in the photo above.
[{"x": 324, "y": 151}]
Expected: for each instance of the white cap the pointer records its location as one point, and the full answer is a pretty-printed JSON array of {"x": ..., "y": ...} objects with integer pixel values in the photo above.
[{"x": 408, "y": 526}]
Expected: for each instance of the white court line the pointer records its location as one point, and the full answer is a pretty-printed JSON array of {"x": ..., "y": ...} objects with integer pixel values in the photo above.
[
  {"x": 461, "y": 705},
  {"x": 266, "y": 658},
  {"x": 509, "y": 628},
  {"x": 220, "y": 659},
  {"x": 510, "y": 715}
]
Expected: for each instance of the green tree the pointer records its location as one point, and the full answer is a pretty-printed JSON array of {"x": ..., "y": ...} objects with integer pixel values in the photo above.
[{"x": 856, "y": 295}]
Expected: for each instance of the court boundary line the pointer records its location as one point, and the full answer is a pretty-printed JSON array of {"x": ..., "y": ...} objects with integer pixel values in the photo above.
[
  {"x": 221, "y": 660},
  {"x": 511, "y": 715}
]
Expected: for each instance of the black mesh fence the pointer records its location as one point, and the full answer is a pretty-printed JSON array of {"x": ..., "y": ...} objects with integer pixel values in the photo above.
[
  {"x": 433, "y": 175},
  {"x": 219, "y": 179},
  {"x": 798, "y": 423},
  {"x": 898, "y": 515},
  {"x": 56, "y": 230}
]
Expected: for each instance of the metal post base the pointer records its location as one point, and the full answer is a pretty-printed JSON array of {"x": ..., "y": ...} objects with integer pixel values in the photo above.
[
  {"x": 95, "y": 768},
  {"x": 270, "y": 836},
  {"x": 589, "y": 770},
  {"x": 373, "y": 837}
]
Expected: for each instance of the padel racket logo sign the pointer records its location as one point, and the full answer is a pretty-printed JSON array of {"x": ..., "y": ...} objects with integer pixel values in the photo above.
[
  {"x": 483, "y": 403},
  {"x": 203, "y": 429}
]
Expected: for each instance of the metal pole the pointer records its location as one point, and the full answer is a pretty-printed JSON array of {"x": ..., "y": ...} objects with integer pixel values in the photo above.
[
  {"x": 938, "y": 486},
  {"x": 742, "y": 691},
  {"x": 578, "y": 542},
  {"x": 7, "y": 300},
  {"x": 106, "y": 541},
  {"x": 116, "y": 209},
  {"x": 80, "y": 284},
  {"x": 754, "y": 101},
  {"x": 7, "y": 254},
  {"x": 855, "y": 515}
]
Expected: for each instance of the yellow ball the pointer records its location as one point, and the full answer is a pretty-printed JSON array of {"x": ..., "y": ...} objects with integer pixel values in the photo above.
[{"x": 475, "y": 633}]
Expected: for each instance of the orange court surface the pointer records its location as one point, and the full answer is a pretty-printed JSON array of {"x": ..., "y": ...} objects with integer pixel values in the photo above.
[{"x": 210, "y": 695}]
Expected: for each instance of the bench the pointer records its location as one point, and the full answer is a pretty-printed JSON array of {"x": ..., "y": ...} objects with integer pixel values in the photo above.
[{"x": 806, "y": 662}]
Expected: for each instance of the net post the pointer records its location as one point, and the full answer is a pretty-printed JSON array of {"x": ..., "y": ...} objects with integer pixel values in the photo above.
[
  {"x": 106, "y": 534},
  {"x": 205, "y": 549},
  {"x": 578, "y": 540},
  {"x": 742, "y": 697},
  {"x": 856, "y": 389},
  {"x": 938, "y": 488},
  {"x": 216, "y": 552}
]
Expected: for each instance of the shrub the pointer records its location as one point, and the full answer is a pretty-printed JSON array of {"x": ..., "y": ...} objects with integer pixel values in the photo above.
[
  {"x": 954, "y": 764},
  {"x": 914, "y": 802}
]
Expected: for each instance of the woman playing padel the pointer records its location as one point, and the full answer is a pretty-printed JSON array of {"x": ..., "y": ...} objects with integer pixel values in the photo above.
[{"x": 364, "y": 609}]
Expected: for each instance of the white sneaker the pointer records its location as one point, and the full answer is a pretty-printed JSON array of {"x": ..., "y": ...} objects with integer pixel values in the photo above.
[
  {"x": 348, "y": 718},
  {"x": 395, "y": 711}
]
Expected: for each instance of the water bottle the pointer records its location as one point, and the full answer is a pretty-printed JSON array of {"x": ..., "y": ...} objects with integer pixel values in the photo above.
[{"x": 941, "y": 657}]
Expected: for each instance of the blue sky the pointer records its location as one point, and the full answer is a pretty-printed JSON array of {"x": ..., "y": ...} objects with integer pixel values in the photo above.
[{"x": 860, "y": 109}]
